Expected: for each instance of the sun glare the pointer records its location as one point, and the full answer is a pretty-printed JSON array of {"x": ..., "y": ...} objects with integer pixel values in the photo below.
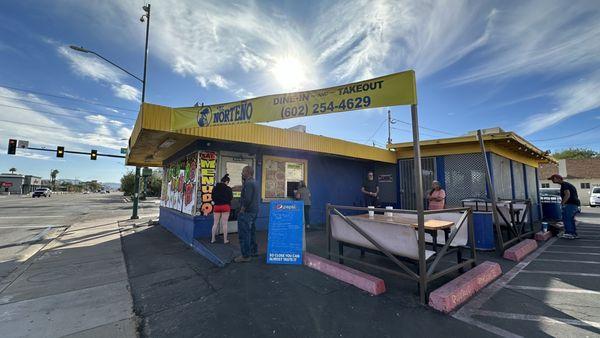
[{"x": 290, "y": 73}]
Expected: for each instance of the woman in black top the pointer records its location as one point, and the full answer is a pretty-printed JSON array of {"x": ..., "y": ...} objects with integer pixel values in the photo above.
[{"x": 221, "y": 197}]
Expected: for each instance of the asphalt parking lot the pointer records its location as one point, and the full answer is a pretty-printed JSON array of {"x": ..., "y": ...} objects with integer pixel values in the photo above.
[{"x": 555, "y": 291}]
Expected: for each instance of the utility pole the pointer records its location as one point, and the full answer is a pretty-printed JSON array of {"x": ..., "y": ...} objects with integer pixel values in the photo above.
[{"x": 389, "y": 128}]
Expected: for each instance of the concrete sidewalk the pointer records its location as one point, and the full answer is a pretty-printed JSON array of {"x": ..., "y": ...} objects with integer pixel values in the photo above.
[{"x": 75, "y": 286}]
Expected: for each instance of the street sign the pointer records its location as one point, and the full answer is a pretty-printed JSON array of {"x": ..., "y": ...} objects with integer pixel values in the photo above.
[
  {"x": 23, "y": 144},
  {"x": 124, "y": 151},
  {"x": 285, "y": 232}
]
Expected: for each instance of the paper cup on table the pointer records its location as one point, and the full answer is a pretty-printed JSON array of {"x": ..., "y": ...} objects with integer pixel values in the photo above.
[
  {"x": 371, "y": 211},
  {"x": 389, "y": 214}
]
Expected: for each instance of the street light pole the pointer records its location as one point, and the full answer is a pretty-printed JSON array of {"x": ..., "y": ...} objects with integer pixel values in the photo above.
[
  {"x": 144, "y": 18},
  {"x": 136, "y": 185}
]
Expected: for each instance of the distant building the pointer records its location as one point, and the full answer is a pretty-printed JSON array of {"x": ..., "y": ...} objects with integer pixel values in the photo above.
[
  {"x": 582, "y": 173},
  {"x": 19, "y": 184},
  {"x": 11, "y": 183},
  {"x": 31, "y": 183}
]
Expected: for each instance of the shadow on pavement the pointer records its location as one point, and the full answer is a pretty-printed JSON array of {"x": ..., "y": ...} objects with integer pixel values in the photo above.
[{"x": 177, "y": 292}]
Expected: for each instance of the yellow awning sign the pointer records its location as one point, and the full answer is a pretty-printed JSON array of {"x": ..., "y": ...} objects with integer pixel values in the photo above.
[{"x": 390, "y": 90}]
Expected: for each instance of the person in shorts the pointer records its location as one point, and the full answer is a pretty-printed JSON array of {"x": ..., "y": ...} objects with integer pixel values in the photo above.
[{"x": 221, "y": 196}]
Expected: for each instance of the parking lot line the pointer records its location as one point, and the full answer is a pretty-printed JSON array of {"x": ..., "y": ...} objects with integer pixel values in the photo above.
[
  {"x": 548, "y": 272},
  {"x": 578, "y": 246},
  {"x": 31, "y": 226},
  {"x": 472, "y": 307},
  {"x": 536, "y": 318},
  {"x": 575, "y": 253},
  {"x": 565, "y": 261},
  {"x": 537, "y": 288},
  {"x": 32, "y": 216}
]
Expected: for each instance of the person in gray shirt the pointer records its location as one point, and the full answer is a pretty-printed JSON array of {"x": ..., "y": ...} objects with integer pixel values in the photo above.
[
  {"x": 247, "y": 216},
  {"x": 303, "y": 194}
]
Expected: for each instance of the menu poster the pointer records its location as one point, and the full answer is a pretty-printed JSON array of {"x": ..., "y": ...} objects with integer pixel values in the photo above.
[
  {"x": 285, "y": 232},
  {"x": 275, "y": 179}
]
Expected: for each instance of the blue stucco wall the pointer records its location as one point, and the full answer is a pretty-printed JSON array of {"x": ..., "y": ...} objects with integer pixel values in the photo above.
[{"x": 330, "y": 179}]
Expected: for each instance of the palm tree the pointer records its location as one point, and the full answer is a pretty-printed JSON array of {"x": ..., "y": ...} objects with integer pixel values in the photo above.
[
  {"x": 53, "y": 175},
  {"x": 12, "y": 170}
]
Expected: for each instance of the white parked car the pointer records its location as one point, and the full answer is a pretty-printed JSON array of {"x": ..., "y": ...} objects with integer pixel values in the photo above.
[
  {"x": 46, "y": 192},
  {"x": 594, "y": 196}
]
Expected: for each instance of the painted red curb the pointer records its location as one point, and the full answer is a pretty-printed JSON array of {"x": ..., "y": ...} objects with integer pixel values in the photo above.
[
  {"x": 542, "y": 236},
  {"x": 454, "y": 293},
  {"x": 361, "y": 280},
  {"x": 519, "y": 251}
]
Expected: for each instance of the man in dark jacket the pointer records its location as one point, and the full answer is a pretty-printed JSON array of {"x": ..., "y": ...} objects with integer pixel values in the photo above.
[
  {"x": 570, "y": 204},
  {"x": 247, "y": 216}
]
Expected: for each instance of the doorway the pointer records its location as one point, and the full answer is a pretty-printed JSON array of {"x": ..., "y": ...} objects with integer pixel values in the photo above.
[{"x": 232, "y": 163}]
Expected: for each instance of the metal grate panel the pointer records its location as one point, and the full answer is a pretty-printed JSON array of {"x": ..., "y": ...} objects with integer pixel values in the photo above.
[
  {"x": 465, "y": 178},
  {"x": 531, "y": 184},
  {"x": 501, "y": 175},
  {"x": 518, "y": 179},
  {"x": 407, "y": 181}
]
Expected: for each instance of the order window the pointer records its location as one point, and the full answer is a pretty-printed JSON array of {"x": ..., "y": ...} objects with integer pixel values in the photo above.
[{"x": 282, "y": 176}]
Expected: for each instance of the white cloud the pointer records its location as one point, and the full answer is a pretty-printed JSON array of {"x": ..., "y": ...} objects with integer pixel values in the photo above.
[
  {"x": 574, "y": 99},
  {"x": 33, "y": 156},
  {"x": 97, "y": 119},
  {"x": 88, "y": 65},
  {"x": 545, "y": 38},
  {"x": 68, "y": 129},
  {"x": 127, "y": 92},
  {"x": 235, "y": 46}
]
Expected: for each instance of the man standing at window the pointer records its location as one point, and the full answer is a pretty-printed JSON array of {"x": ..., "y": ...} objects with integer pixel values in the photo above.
[
  {"x": 370, "y": 190},
  {"x": 570, "y": 203},
  {"x": 247, "y": 216}
]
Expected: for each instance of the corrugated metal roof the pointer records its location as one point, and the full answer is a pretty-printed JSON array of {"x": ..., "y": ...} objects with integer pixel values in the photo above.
[{"x": 154, "y": 124}]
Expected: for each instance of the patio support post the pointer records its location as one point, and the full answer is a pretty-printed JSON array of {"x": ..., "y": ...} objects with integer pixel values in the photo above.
[
  {"x": 418, "y": 174},
  {"x": 492, "y": 192},
  {"x": 328, "y": 229}
]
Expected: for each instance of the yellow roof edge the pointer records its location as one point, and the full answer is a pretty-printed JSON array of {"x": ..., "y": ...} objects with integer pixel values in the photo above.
[{"x": 158, "y": 118}]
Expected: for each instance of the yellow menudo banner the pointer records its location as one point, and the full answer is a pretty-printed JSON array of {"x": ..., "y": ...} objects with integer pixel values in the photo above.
[{"x": 390, "y": 90}]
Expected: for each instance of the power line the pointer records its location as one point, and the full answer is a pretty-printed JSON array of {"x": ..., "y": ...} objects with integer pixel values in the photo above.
[
  {"x": 569, "y": 135},
  {"x": 66, "y": 98},
  {"x": 59, "y": 106},
  {"x": 59, "y": 114},
  {"x": 426, "y": 128},
  {"x": 35, "y": 125},
  {"x": 46, "y": 127},
  {"x": 376, "y": 130},
  {"x": 410, "y": 131}
]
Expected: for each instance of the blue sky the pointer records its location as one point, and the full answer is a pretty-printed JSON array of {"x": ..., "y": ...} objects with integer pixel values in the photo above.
[{"x": 531, "y": 67}]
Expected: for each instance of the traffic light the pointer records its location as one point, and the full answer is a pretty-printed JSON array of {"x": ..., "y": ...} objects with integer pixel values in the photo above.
[
  {"x": 60, "y": 151},
  {"x": 12, "y": 146},
  {"x": 94, "y": 155}
]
